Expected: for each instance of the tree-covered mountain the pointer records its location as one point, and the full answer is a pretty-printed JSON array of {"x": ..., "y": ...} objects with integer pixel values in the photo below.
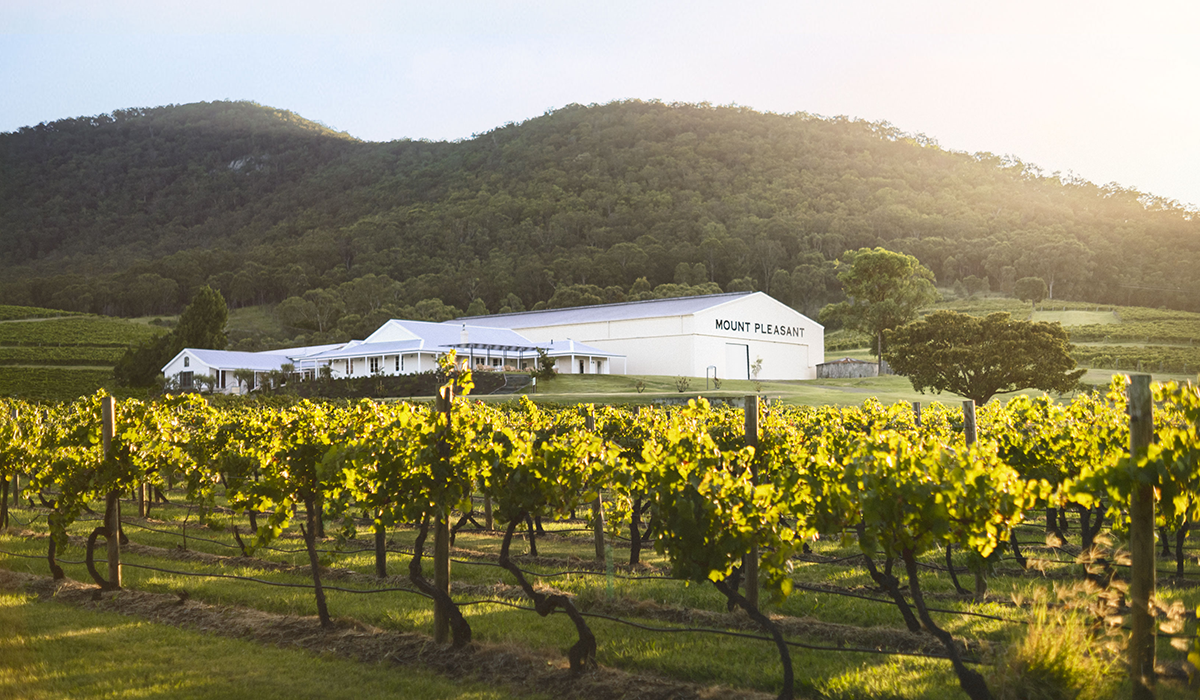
[{"x": 130, "y": 213}]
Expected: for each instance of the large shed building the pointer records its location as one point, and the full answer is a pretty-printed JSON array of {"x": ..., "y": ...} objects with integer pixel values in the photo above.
[{"x": 725, "y": 334}]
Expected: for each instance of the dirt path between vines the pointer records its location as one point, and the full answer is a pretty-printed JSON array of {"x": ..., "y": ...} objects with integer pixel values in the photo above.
[
  {"x": 883, "y": 638},
  {"x": 518, "y": 670}
]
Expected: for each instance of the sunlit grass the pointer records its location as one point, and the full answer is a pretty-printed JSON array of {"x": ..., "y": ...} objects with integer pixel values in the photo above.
[
  {"x": 686, "y": 656},
  {"x": 52, "y": 650}
]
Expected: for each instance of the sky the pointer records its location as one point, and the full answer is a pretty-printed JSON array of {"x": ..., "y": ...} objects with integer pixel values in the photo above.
[{"x": 1100, "y": 90}]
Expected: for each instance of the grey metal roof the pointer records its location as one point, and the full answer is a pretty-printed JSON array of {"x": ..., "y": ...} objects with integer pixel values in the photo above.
[
  {"x": 229, "y": 359},
  {"x": 558, "y": 348},
  {"x": 649, "y": 308},
  {"x": 525, "y": 349},
  {"x": 440, "y": 336},
  {"x": 361, "y": 349},
  {"x": 302, "y": 352},
  {"x": 425, "y": 337}
]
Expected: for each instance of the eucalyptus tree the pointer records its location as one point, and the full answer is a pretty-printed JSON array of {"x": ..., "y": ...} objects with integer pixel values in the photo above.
[
  {"x": 884, "y": 290},
  {"x": 978, "y": 358}
]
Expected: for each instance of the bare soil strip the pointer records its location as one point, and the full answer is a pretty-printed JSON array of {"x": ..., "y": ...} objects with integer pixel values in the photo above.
[{"x": 519, "y": 670}]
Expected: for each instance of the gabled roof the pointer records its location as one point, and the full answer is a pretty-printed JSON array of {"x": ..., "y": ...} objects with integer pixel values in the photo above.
[
  {"x": 229, "y": 359},
  {"x": 479, "y": 342},
  {"x": 361, "y": 348},
  {"x": 398, "y": 336},
  {"x": 649, "y": 308},
  {"x": 391, "y": 331}
]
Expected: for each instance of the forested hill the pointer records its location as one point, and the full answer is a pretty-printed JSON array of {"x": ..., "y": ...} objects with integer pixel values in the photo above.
[{"x": 129, "y": 213}]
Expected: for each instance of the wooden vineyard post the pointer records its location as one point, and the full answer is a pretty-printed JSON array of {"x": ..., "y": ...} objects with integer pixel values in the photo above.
[
  {"x": 441, "y": 531},
  {"x": 969, "y": 422},
  {"x": 917, "y": 412},
  {"x": 589, "y": 423},
  {"x": 751, "y": 561},
  {"x": 971, "y": 437},
  {"x": 1141, "y": 544},
  {"x": 112, "y": 505},
  {"x": 4, "y": 486},
  {"x": 15, "y": 488},
  {"x": 380, "y": 545}
]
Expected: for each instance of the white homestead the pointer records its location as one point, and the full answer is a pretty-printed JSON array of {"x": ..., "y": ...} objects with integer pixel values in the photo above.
[
  {"x": 686, "y": 336},
  {"x": 398, "y": 347},
  {"x": 405, "y": 347},
  {"x": 192, "y": 366}
]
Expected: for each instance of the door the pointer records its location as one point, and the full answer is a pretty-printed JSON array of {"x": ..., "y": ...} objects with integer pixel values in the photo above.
[{"x": 737, "y": 361}]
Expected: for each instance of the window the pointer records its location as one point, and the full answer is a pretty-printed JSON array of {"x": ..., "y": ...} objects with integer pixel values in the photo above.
[
  {"x": 187, "y": 361},
  {"x": 397, "y": 363},
  {"x": 376, "y": 365}
]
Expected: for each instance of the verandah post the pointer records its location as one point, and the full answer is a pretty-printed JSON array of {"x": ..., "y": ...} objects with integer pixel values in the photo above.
[{"x": 1141, "y": 543}]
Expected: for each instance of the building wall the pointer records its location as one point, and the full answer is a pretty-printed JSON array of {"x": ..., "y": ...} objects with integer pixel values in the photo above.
[
  {"x": 193, "y": 365},
  {"x": 570, "y": 364},
  {"x": 790, "y": 344},
  {"x": 224, "y": 381}
]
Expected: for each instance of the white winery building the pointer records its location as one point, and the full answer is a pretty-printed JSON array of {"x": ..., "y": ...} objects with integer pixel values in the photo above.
[
  {"x": 722, "y": 335},
  {"x": 686, "y": 336}
]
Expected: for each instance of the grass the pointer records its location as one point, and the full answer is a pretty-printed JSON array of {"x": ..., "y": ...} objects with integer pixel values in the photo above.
[
  {"x": 693, "y": 657},
  {"x": 621, "y": 389},
  {"x": 22, "y": 313},
  {"x": 1076, "y": 317},
  {"x": 54, "y": 650},
  {"x": 94, "y": 331},
  {"x": 74, "y": 355},
  {"x": 53, "y": 383},
  {"x": 1058, "y": 656},
  {"x": 45, "y": 357}
]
